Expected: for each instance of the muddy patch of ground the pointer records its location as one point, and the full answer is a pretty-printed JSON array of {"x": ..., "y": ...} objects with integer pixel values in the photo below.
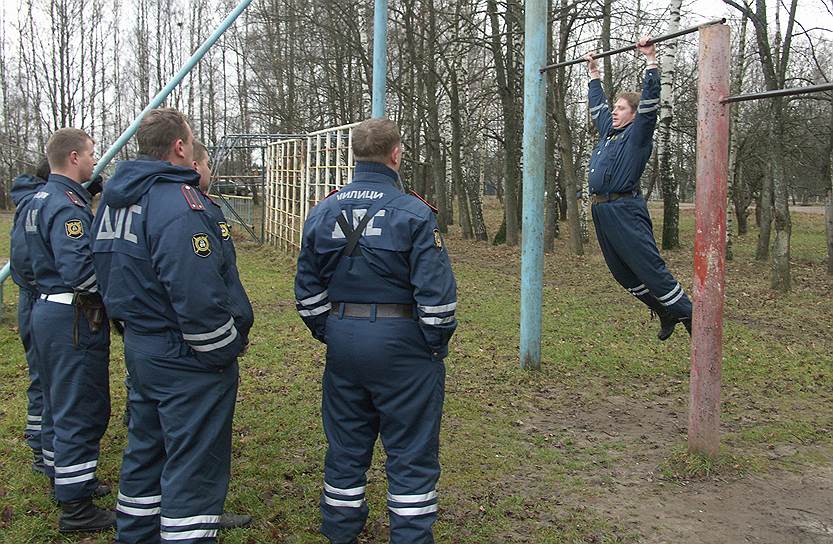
[{"x": 778, "y": 506}]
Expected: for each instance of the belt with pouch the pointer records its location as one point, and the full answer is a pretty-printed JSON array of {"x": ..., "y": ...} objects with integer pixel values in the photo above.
[
  {"x": 610, "y": 197},
  {"x": 354, "y": 309}
]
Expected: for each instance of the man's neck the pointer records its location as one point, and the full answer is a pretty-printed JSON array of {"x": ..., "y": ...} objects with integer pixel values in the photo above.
[{"x": 67, "y": 174}]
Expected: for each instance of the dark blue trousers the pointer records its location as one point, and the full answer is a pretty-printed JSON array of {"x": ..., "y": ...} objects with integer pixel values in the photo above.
[
  {"x": 175, "y": 471},
  {"x": 380, "y": 379},
  {"x": 626, "y": 236},
  {"x": 76, "y": 396},
  {"x": 34, "y": 411}
]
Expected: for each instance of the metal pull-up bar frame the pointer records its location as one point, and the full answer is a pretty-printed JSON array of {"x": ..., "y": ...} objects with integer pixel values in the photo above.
[
  {"x": 778, "y": 92},
  {"x": 658, "y": 39}
]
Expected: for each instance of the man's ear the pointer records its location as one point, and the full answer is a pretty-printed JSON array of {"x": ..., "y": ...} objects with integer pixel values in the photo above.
[
  {"x": 73, "y": 157},
  {"x": 179, "y": 148},
  {"x": 396, "y": 155}
]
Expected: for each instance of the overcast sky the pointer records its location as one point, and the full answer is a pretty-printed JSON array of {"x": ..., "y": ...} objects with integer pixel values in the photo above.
[{"x": 810, "y": 12}]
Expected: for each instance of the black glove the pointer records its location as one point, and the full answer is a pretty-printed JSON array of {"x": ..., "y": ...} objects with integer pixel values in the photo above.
[{"x": 96, "y": 185}]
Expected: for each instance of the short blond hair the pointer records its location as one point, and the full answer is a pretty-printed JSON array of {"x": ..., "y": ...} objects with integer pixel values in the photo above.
[
  {"x": 63, "y": 142},
  {"x": 200, "y": 151},
  {"x": 374, "y": 139},
  {"x": 631, "y": 98}
]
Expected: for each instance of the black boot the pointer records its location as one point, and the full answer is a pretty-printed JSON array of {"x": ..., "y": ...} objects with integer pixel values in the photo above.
[
  {"x": 83, "y": 516},
  {"x": 667, "y": 322},
  {"x": 233, "y": 521},
  {"x": 666, "y": 326},
  {"x": 687, "y": 324},
  {"x": 37, "y": 463}
]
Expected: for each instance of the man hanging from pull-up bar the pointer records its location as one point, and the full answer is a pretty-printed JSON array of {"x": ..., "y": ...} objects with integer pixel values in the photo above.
[{"x": 620, "y": 214}]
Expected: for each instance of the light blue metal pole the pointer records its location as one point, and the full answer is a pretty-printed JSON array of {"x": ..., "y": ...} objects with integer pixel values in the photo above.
[
  {"x": 535, "y": 109},
  {"x": 163, "y": 94},
  {"x": 380, "y": 62},
  {"x": 157, "y": 100}
]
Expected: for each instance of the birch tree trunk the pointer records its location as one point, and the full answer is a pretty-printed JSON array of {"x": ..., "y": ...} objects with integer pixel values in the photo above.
[
  {"x": 671, "y": 201},
  {"x": 829, "y": 209},
  {"x": 734, "y": 141}
]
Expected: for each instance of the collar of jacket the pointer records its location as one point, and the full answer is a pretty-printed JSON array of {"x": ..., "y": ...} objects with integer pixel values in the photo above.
[
  {"x": 72, "y": 185},
  {"x": 192, "y": 183},
  {"x": 375, "y": 172}
]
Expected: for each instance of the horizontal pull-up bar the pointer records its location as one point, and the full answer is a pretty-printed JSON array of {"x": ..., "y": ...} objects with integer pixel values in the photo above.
[
  {"x": 658, "y": 39},
  {"x": 779, "y": 92}
]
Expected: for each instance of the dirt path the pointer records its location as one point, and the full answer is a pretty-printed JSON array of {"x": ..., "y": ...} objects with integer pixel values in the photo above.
[{"x": 779, "y": 507}]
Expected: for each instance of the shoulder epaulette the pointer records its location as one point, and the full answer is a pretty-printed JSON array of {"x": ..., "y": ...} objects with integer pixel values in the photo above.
[
  {"x": 208, "y": 197},
  {"x": 192, "y": 197},
  {"x": 433, "y": 209},
  {"x": 75, "y": 199}
]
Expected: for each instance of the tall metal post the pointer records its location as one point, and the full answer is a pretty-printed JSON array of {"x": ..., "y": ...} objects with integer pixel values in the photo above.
[
  {"x": 709, "y": 240},
  {"x": 535, "y": 109},
  {"x": 380, "y": 61}
]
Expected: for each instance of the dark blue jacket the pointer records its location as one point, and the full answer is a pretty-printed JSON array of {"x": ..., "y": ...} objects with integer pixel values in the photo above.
[
  {"x": 403, "y": 259},
  {"x": 160, "y": 260},
  {"x": 620, "y": 156},
  {"x": 24, "y": 188},
  {"x": 57, "y": 225}
]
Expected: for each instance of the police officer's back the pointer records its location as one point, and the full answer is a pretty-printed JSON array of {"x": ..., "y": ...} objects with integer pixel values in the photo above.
[{"x": 374, "y": 283}]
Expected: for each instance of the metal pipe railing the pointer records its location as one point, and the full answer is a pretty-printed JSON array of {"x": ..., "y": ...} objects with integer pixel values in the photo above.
[{"x": 778, "y": 92}]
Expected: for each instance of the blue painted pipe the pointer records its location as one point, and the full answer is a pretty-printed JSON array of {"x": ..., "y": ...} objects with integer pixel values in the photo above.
[
  {"x": 157, "y": 100},
  {"x": 535, "y": 109},
  {"x": 380, "y": 63}
]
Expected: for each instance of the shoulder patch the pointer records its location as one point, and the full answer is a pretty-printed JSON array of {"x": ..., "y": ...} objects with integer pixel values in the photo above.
[
  {"x": 192, "y": 197},
  {"x": 75, "y": 199},
  {"x": 433, "y": 209},
  {"x": 202, "y": 246},
  {"x": 438, "y": 239},
  {"x": 74, "y": 228},
  {"x": 225, "y": 230}
]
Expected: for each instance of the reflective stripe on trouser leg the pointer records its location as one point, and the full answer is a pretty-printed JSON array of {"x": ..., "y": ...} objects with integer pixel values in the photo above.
[
  {"x": 351, "y": 426},
  {"x": 411, "y": 439},
  {"x": 79, "y": 395},
  {"x": 628, "y": 231},
  {"x": 140, "y": 493},
  {"x": 195, "y": 412},
  {"x": 34, "y": 393}
]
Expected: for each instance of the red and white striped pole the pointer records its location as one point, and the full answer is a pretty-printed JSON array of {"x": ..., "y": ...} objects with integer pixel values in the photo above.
[{"x": 710, "y": 240}]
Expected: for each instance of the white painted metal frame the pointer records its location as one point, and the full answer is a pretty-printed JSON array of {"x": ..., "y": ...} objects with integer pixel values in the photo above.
[{"x": 299, "y": 174}]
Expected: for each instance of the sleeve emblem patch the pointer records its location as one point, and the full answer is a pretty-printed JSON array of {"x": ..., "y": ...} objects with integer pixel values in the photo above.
[
  {"x": 202, "y": 246},
  {"x": 225, "y": 230},
  {"x": 75, "y": 229},
  {"x": 438, "y": 239}
]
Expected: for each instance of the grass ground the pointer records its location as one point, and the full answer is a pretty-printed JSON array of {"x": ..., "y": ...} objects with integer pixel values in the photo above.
[{"x": 582, "y": 451}]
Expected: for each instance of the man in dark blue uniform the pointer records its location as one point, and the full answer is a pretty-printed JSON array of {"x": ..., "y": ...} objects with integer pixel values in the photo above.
[
  {"x": 623, "y": 225},
  {"x": 374, "y": 283},
  {"x": 163, "y": 273},
  {"x": 69, "y": 329},
  {"x": 23, "y": 188}
]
